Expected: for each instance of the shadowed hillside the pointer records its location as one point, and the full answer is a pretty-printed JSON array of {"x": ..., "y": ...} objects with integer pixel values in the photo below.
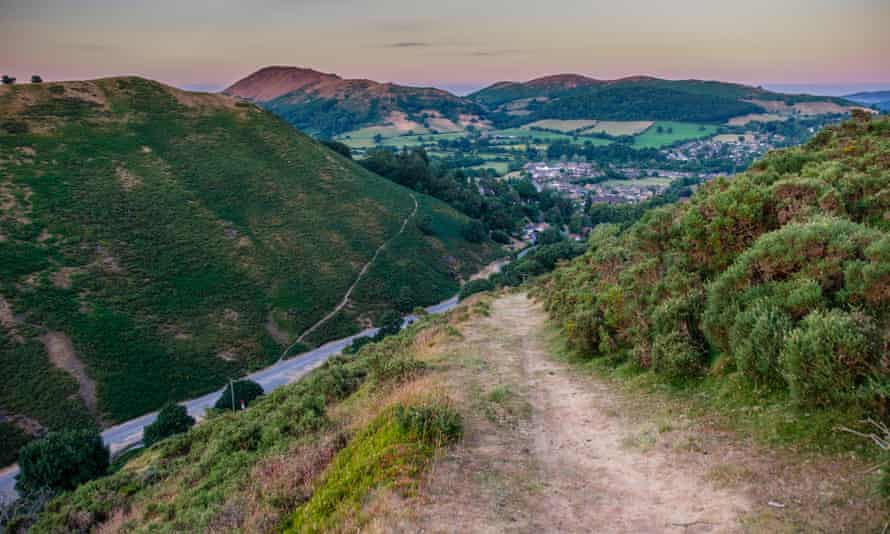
[{"x": 154, "y": 243}]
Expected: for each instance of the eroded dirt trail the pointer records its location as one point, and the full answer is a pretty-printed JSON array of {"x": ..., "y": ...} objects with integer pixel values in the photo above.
[{"x": 550, "y": 452}]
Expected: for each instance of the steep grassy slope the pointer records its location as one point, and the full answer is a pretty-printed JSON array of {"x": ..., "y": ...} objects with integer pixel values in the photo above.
[
  {"x": 170, "y": 240},
  {"x": 771, "y": 288},
  {"x": 328, "y": 105},
  {"x": 316, "y": 450}
]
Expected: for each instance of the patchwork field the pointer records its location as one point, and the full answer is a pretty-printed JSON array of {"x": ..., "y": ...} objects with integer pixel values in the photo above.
[
  {"x": 618, "y": 128},
  {"x": 665, "y": 133},
  {"x": 566, "y": 126},
  {"x": 522, "y": 133},
  {"x": 756, "y": 117}
]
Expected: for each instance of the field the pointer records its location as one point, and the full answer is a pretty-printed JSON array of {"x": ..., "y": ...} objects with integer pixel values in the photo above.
[
  {"x": 500, "y": 167},
  {"x": 181, "y": 239},
  {"x": 566, "y": 126},
  {"x": 618, "y": 128},
  {"x": 672, "y": 132},
  {"x": 392, "y": 137},
  {"x": 522, "y": 133},
  {"x": 756, "y": 117}
]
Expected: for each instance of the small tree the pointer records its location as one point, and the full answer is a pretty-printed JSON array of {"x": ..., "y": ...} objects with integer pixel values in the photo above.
[
  {"x": 8, "y": 80},
  {"x": 36, "y": 79},
  {"x": 62, "y": 461},
  {"x": 172, "y": 419},
  {"x": 390, "y": 323},
  {"x": 474, "y": 231},
  {"x": 246, "y": 391}
]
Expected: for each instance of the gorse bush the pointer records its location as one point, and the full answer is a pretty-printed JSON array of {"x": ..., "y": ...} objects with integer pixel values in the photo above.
[
  {"x": 62, "y": 461},
  {"x": 475, "y": 286},
  {"x": 783, "y": 271},
  {"x": 833, "y": 358},
  {"x": 172, "y": 419}
]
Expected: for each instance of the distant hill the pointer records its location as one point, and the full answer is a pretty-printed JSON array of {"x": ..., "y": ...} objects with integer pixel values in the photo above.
[
  {"x": 570, "y": 96},
  {"x": 327, "y": 105},
  {"x": 155, "y": 242},
  {"x": 878, "y": 99}
]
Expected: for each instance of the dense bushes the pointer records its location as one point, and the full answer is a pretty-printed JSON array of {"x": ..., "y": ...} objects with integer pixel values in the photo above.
[
  {"x": 62, "y": 461},
  {"x": 785, "y": 270},
  {"x": 832, "y": 358},
  {"x": 475, "y": 286},
  {"x": 172, "y": 419}
]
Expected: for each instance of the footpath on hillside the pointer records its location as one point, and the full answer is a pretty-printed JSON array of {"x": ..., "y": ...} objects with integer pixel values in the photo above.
[{"x": 549, "y": 448}]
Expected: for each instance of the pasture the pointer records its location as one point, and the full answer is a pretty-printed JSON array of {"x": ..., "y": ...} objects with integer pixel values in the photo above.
[{"x": 666, "y": 133}]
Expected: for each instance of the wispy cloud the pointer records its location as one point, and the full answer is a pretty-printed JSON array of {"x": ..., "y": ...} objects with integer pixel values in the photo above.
[{"x": 409, "y": 44}]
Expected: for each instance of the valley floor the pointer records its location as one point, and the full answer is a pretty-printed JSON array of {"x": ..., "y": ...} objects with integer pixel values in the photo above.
[{"x": 548, "y": 448}]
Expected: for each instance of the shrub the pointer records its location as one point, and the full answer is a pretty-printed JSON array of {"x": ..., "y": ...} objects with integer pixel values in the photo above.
[
  {"x": 499, "y": 236},
  {"x": 172, "y": 419},
  {"x": 474, "y": 231},
  {"x": 338, "y": 147},
  {"x": 756, "y": 340},
  {"x": 676, "y": 356},
  {"x": 246, "y": 391},
  {"x": 475, "y": 286},
  {"x": 62, "y": 461},
  {"x": 15, "y": 127},
  {"x": 432, "y": 423},
  {"x": 831, "y": 358},
  {"x": 390, "y": 323}
]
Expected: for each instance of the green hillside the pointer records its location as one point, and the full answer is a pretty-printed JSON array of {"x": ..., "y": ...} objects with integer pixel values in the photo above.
[
  {"x": 637, "y": 98},
  {"x": 178, "y": 239},
  {"x": 767, "y": 294}
]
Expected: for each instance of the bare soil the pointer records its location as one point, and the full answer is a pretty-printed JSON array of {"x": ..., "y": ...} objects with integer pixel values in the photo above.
[{"x": 61, "y": 352}]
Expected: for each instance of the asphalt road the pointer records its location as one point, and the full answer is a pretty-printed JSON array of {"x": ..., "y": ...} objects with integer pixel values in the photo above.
[{"x": 129, "y": 433}]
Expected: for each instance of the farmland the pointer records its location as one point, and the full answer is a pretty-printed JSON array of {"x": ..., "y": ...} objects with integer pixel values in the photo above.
[
  {"x": 564, "y": 126},
  {"x": 618, "y": 128},
  {"x": 665, "y": 133}
]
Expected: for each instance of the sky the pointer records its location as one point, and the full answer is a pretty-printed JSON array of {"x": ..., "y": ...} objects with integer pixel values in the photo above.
[{"x": 835, "y": 45}]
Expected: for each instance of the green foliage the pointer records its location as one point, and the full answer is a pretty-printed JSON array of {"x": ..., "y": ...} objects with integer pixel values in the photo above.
[
  {"x": 757, "y": 338},
  {"x": 432, "y": 423},
  {"x": 474, "y": 231},
  {"x": 245, "y": 392},
  {"x": 62, "y": 461},
  {"x": 499, "y": 236},
  {"x": 782, "y": 271},
  {"x": 475, "y": 286},
  {"x": 172, "y": 419},
  {"x": 833, "y": 358},
  {"x": 159, "y": 231},
  {"x": 389, "y": 453}
]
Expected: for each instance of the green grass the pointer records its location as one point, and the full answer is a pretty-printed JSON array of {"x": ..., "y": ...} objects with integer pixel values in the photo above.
[
  {"x": 500, "y": 167},
  {"x": 364, "y": 138},
  {"x": 565, "y": 126},
  {"x": 384, "y": 455},
  {"x": 185, "y": 228},
  {"x": 682, "y": 131},
  {"x": 548, "y": 137}
]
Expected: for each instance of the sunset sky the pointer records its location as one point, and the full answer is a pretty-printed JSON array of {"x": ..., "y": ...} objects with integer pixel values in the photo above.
[{"x": 457, "y": 44}]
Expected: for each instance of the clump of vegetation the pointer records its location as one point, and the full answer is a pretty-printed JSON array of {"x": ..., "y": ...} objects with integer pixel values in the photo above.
[
  {"x": 781, "y": 271},
  {"x": 172, "y": 419},
  {"x": 239, "y": 395},
  {"x": 62, "y": 461},
  {"x": 389, "y": 453},
  {"x": 475, "y": 286}
]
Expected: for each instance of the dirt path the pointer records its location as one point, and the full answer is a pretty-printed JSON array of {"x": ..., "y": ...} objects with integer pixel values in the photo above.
[
  {"x": 343, "y": 302},
  {"x": 547, "y": 450}
]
